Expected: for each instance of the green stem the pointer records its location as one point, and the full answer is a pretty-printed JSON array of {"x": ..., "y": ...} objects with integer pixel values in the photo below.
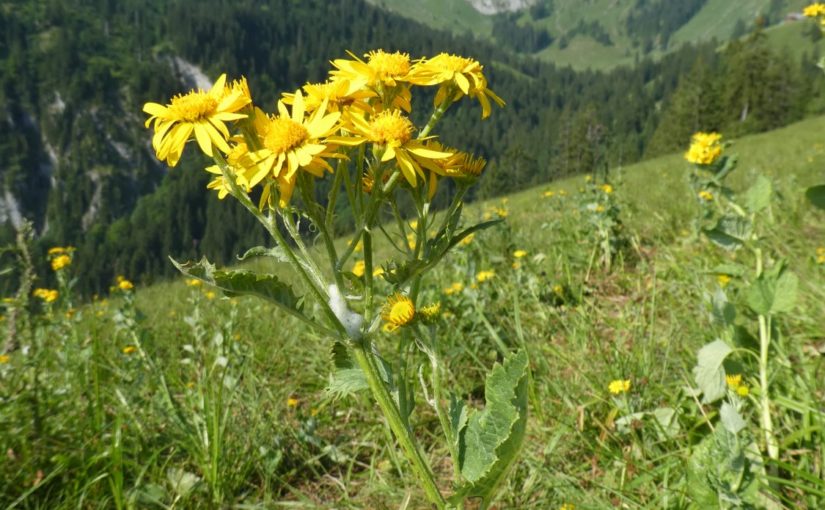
[
  {"x": 765, "y": 401},
  {"x": 439, "y": 409},
  {"x": 420, "y": 466},
  {"x": 436, "y": 116}
]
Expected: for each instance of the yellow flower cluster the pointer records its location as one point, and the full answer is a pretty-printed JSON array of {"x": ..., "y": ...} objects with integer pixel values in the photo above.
[
  {"x": 820, "y": 255},
  {"x": 814, "y": 10},
  {"x": 606, "y": 188},
  {"x": 454, "y": 288},
  {"x": 398, "y": 311},
  {"x": 705, "y": 148},
  {"x": 705, "y": 195},
  {"x": 483, "y": 276},
  {"x": 60, "y": 257},
  {"x": 734, "y": 382},
  {"x": 123, "y": 284},
  {"x": 362, "y": 102},
  {"x": 47, "y": 295},
  {"x": 619, "y": 386}
]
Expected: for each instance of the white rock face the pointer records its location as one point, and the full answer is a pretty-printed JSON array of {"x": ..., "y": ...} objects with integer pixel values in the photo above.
[
  {"x": 497, "y": 6},
  {"x": 192, "y": 74}
]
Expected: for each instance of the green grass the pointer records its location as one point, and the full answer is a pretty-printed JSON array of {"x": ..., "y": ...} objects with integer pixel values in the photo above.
[{"x": 199, "y": 414}]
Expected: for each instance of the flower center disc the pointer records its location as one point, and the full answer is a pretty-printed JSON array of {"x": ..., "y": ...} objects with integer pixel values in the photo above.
[
  {"x": 390, "y": 128},
  {"x": 284, "y": 135},
  {"x": 194, "y": 106},
  {"x": 389, "y": 64}
]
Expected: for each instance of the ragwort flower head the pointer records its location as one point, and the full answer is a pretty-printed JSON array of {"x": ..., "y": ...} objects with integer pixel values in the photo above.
[
  {"x": 380, "y": 69},
  {"x": 705, "y": 148},
  {"x": 398, "y": 311},
  {"x": 459, "y": 165},
  {"x": 619, "y": 386},
  {"x": 814, "y": 10},
  {"x": 457, "y": 77},
  {"x": 203, "y": 113}
]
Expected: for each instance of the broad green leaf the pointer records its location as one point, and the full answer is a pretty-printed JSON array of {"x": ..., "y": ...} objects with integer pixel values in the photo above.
[
  {"x": 759, "y": 195},
  {"x": 709, "y": 374},
  {"x": 731, "y": 419},
  {"x": 346, "y": 381},
  {"x": 730, "y": 232},
  {"x": 770, "y": 295},
  {"x": 816, "y": 195},
  {"x": 244, "y": 282},
  {"x": 667, "y": 420},
  {"x": 458, "y": 420},
  {"x": 493, "y": 437},
  {"x": 723, "y": 311}
]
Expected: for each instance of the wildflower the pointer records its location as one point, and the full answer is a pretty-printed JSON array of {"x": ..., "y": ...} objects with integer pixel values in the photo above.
[
  {"x": 619, "y": 386},
  {"x": 705, "y": 148},
  {"x": 501, "y": 212},
  {"x": 558, "y": 289},
  {"x": 204, "y": 113},
  {"x": 455, "y": 288},
  {"x": 705, "y": 195},
  {"x": 549, "y": 194},
  {"x": 193, "y": 282},
  {"x": 210, "y": 295},
  {"x": 292, "y": 141},
  {"x": 723, "y": 280},
  {"x": 358, "y": 268},
  {"x": 129, "y": 349},
  {"x": 240, "y": 169},
  {"x": 567, "y": 506},
  {"x": 820, "y": 255},
  {"x": 588, "y": 178},
  {"x": 56, "y": 250},
  {"x": 398, "y": 311},
  {"x": 599, "y": 208},
  {"x": 4, "y": 358},
  {"x": 483, "y": 276},
  {"x": 124, "y": 284},
  {"x": 292, "y": 402},
  {"x": 519, "y": 254},
  {"x": 467, "y": 240},
  {"x": 743, "y": 391},
  {"x": 457, "y": 77},
  {"x": 814, "y": 10},
  {"x": 378, "y": 271},
  {"x": 380, "y": 69},
  {"x": 607, "y": 188},
  {"x": 391, "y": 134},
  {"x": 47, "y": 295},
  {"x": 411, "y": 240},
  {"x": 459, "y": 165},
  {"x": 733, "y": 380},
  {"x": 61, "y": 261},
  {"x": 336, "y": 93},
  {"x": 431, "y": 312}
]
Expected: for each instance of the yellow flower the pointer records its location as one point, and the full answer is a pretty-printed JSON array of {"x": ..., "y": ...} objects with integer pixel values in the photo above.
[
  {"x": 467, "y": 240},
  {"x": 619, "y": 386},
  {"x": 607, "y": 188},
  {"x": 240, "y": 168},
  {"x": 337, "y": 93},
  {"x": 431, "y": 312},
  {"x": 820, "y": 255},
  {"x": 455, "y": 288},
  {"x": 380, "y": 69},
  {"x": 378, "y": 271},
  {"x": 549, "y": 194},
  {"x": 198, "y": 112},
  {"x": 599, "y": 208},
  {"x": 193, "y": 282},
  {"x": 705, "y": 195},
  {"x": 723, "y": 280},
  {"x": 483, "y": 276},
  {"x": 459, "y": 165},
  {"x": 398, "y": 311},
  {"x": 125, "y": 284},
  {"x": 519, "y": 254},
  {"x": 743, "y": 391},
  {"x": 292, "y": 141},
  {"x": 47, "y": 295},
  {"x": 391, "y": 134},
  {"x": 814, "y": 10},
  {"x": 457, "y": 77},
  {"x": 292, "y": 402},
  {"x": 56, "y": 250},
  {"x": 129, "y": 349},
  {"x": 733, "y": 380},
  {"x": 60, "y": 262},
  {"x": 210, "y": 294},
  {"x": 358, "y": 268},
  {"x": 558, "y": 290},
  {"x": 4, "y": 358},
  {"x": 705, "y": 148},
  {"x": 567, "y": 506}
]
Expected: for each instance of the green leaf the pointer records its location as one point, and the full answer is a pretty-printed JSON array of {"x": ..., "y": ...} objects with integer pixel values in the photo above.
[
  {"x": 346, "y": 381},
  {"x": 458, "y": 421},
  {"x": 263, "y": 251},
  {"x": 731, "y": 419},
  {"x": 816, "y": 196},
  {"x": 245, "y": 282},
  {"x": 758, "y": 197},
  {"x": 769, "y": 295},
  {"x": 730, "y": 232},
  {"x": 666, "y": 418},
  {"x": 709, "y": 374},
  {"x": 723, "y": 311},
  {"x": 493, "y": 437}
]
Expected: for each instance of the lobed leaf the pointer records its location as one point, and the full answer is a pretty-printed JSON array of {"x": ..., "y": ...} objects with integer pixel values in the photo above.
[{"x": 709, "y": 374}]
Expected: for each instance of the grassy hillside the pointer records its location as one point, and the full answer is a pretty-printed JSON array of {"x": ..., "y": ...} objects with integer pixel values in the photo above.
[
  {"x": 173, "y": 395},
  {"x": 717, "y": 19}
]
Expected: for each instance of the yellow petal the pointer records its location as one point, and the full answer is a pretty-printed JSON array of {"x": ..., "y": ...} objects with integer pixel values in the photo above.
[{"x": 202, "y": 136}]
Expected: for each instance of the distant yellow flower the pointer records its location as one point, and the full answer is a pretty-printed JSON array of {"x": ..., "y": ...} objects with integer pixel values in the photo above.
[
  {"x": 467, "y": 240},
  {"x": 193, "y": 282},
  {"x": 430, "y": 312},
  {"x": 705, "y": 148},
  {"x": 705, "y": 195},
  {"x": 619, "y": 386},
  {"x": 378, "y": 271},
  {"x": 47, "y": 295},
  {"x": 125, "y": 285},
  {"x": 358, "y": 268},
  {"x": 558, "y": 290},
  {"x": 820, "y": 255},
  {"x": 60, "y": 262},
  {"x": 733, "y": 380},
  {"x": 567, "y": 506},
  {"x": 292, "y": 402},
  {"x": 519, "y": 254},
  {"x": 455, "y": 288},
  {"x": 210, "y": 294},
  {"x": 56, "y": 250},
  {"x": 549, "y": 194},
  {"x": 4, "y": 358},
  {"x": 483, "y": 276},
  {"x": 129, "y": 349},
  {"x": 204, "y": 113},
  {"x": 814, "y": 10},
  {"x": 607, "y": 188},
  {"x": 502, "y": 212},
  {"x": 723, "y": 280},
  {"x": 743, "y": 391},
  {"x": 337, "y": 94},
  {"x": 457, "y": 77},
  {"x": 599, "y": 208},
  {"x": 398, "y": 311}
]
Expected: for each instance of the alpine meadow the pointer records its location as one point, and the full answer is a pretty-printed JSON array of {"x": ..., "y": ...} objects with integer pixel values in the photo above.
[{"x": 372, "y": 254}]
